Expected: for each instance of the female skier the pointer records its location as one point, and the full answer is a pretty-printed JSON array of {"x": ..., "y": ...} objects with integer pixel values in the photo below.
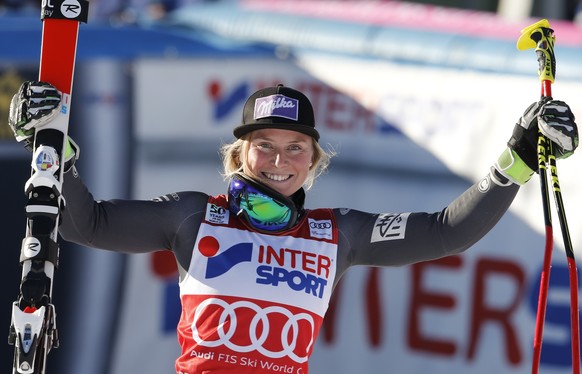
[{"x": 257, "y": 268}]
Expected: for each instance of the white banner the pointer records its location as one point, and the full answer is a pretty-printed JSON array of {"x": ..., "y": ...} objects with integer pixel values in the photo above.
[{"x": 201, "y": 100}]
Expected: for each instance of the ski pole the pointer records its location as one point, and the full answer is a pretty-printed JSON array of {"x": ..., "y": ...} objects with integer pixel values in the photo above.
[
  {"x": 531, "y": 37},
  {"x": 541, "y": 37},
  {"x": 572, "y": 269}
]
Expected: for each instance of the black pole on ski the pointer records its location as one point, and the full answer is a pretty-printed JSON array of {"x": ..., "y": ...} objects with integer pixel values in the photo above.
[
  {"x": 541, "y": 37},
  {"x": 33, "y": 328}
]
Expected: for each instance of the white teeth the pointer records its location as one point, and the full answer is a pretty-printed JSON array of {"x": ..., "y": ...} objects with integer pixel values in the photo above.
[{"x": 277, "y": 177}]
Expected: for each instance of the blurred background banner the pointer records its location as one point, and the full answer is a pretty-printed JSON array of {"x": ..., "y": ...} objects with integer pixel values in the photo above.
[{"x": 417, "y": 99}]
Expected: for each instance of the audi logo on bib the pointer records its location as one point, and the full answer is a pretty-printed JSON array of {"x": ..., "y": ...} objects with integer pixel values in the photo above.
[{"x": 254, "y": 335}]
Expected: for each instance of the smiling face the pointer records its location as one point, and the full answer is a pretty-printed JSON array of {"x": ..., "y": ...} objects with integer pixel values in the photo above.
[{"x": 278, "y": 158}]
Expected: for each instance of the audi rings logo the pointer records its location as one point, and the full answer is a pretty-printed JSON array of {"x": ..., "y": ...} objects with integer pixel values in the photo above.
[
  {"x": 258, "y": 330},
  {"x": 320, "y": 225},
  {"x": 320, "y": 228}
]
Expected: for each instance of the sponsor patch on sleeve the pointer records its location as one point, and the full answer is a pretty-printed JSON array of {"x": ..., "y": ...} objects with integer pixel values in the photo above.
[
  {"x": 320, "y": 228},
  {"x": 389, "y": 226},
  {"x": 216, "y": 214}
]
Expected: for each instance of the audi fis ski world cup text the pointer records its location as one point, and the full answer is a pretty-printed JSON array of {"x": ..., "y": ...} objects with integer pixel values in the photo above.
[{"x": 246, "y": 362}]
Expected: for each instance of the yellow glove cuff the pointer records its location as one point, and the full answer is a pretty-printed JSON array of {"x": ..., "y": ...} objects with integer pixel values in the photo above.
[
  {"x": 510, "y": 165},
  {"x": 69, "y": 151},
  {"x": 72, "y": 151}
]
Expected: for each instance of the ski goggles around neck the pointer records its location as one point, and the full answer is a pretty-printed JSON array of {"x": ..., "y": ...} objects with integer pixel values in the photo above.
[{"x": 264, "y": 209}]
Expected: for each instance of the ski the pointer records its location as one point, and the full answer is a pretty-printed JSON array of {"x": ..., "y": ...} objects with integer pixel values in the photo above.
[{"x": 33, "y": 329}]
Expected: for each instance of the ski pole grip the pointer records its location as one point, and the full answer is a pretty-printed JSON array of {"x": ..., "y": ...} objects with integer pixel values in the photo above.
[{"x": 541, "y": 37}]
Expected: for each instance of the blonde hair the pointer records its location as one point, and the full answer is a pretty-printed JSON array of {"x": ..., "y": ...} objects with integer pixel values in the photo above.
[{"x": 232, "y": 160}]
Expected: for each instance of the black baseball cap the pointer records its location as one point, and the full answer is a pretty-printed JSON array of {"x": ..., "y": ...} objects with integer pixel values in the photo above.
[{"x": 278, "y": 107}]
